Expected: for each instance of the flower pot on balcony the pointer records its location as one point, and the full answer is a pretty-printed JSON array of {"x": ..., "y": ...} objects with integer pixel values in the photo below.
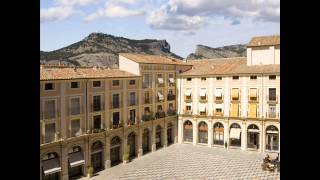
[{"x": 90, "y": 172}]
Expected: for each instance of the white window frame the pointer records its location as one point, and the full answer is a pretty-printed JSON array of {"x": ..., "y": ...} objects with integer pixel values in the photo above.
[
  {"x": 55, "y": 107},
  {"x": 97, "y": 86},
  {"x": 54, "y": 86},
  {"x": 70, "y": 104},
  {"x": 77, "y": 82}
]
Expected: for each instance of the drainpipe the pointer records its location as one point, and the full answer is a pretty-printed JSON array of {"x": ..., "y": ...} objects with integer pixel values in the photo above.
[{"x": 86, "y": 107}]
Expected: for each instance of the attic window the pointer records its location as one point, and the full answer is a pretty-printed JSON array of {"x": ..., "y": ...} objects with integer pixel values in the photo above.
[
  {"x": 189, "y": 79},
  {"x": 272, "y": 77},
  {"x": 49, "y": 86},
  {"x": 253, "y": 77},
  {"x": 203, "y": 78},
  {"x": 75, "y": 84},
  {"x": 235, "y": 77},
  {"x": 96, "y": 83},
  {"x": 219, "y": 78}
]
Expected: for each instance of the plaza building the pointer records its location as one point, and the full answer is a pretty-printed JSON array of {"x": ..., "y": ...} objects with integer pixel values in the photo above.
[
  {"x": 233, "y": 102},
  {"x": 91, "y": 116}
]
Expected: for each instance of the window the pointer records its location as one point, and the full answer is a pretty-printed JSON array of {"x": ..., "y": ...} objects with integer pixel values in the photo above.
[
  {"x": 75, "y": 84},
  {"x": 218, "y": 94},
  {"x": 219, "y": 78},
  {"x": 75, "y": 127},
  {"x": 115, "y": 118},
  {"x": 50, "y": 109},
  {"x": 160, "y": 79},
  {"x": 50, "y": 130},
  {"x": 235, "y": 77},
  {"x": 132, "y": 116},
  {"x": 253, "y": 77},
  {"x": 96, "y": 83},
  {"x": 97, "y": 103},
  {"x": 146, "y": 81},
  {"x": 171, "y": 106},
  {"x": 272, "y": 111},
  {"x": 132, "y": 82},
  {"x": 48, "y": 86},
  {"x": 97, "y": 122},
  {"x": 272, "y": 94},
  {"x": 188, "y": 108},
  {"x": 189, "y": 79},
  {"x": 115, "y": 83},
  {"x": 159, "y": 107},
  {"x": 147, "y": 110},
  {"x": 272, "y": 77},
  {"x": 219, "y": 110},
  {"x": 132, "y": 100},
  {"x": 203, "y": 79},
  {"x": 171, "y": 79},
  {"x": 115, "y": 101},
  {"x": 146, "y": 97},
  {"x": 75, "y": 106}
]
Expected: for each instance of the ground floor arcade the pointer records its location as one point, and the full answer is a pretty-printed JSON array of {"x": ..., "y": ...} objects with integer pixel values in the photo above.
[
  {"x": 261, "y": 136},
  {"x": 70, "y": 158}
]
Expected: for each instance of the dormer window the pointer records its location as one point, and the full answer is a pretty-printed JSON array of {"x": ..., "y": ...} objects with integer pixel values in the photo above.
[
  {"x": 96, "y": 83},
  {"x": 49, "y": 86},
  {"x": 272, "y": 77},
  {"x": 75, "y": 84},
  {"x": 235, "y": 77}
]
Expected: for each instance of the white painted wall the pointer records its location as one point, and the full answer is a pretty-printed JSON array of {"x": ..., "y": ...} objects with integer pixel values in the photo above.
[
  {"x": 128, "y": 65},
  {"x": 263, "y": 55}
]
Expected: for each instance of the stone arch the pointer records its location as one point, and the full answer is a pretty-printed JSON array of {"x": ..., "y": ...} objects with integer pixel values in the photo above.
[
  {"x": 253, "y": 136},
  {"x": 187, "y": 131},
  {"x": 235, "y": 134},
  {"x": 203, "y": 132},
  {"x": 218, "y": 133}
]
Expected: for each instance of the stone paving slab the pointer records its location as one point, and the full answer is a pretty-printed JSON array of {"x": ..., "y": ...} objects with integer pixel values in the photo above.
[{"x": 188, "y": 162}]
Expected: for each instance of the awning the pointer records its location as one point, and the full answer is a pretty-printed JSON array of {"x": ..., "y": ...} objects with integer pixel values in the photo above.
[
  {"x": 202, "y": 107},
  {"x": 272, "y": 132},
  {"x": 160, "y": 80},
  {"x": 235, "y": 133},
  {"x": 203, "y": 92},
  {"x": 187, "y": 92},
  {"x": 252, "y": 110},
  {"x": 218, "y": 92},
  {"x": 253, "y": 130},
  {"x": 253, "y": 93},
  {"x": 219, "y": 106},
  {"x": 51, "y": 166},
  {"x": 76, "y": 159},
  {"x": 160, "y": 96},
  {"x": 235, "y": 93},
  {"x": 171, "y": 80},
  {"x": 234, "y": 110}
]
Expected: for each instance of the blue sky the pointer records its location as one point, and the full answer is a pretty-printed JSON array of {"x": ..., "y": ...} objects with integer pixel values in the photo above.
[{"x": 183, "y": 23}]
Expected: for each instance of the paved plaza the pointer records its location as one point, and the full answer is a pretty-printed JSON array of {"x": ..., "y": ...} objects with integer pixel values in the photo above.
[{"x": 185, "y": 161}]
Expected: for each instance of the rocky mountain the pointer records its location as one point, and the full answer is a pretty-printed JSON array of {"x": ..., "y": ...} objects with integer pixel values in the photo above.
[
  {"x": 100, "y": 49},
  {"x": 204, "y": 52}
]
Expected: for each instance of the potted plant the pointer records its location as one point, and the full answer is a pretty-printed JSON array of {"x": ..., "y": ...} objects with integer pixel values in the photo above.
[
  {"x": 90, "y": 171},
  {"x": 125, "y": 158},
  {"x": 226, "y": 145}
]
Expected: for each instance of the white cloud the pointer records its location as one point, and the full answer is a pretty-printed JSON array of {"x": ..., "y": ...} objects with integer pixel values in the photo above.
[
  {"x": 75, "y": 2},
  {"x": 56, "y": 13},
  {"x": 182, "y": 12},
  {"x": 115, "y": 8}
]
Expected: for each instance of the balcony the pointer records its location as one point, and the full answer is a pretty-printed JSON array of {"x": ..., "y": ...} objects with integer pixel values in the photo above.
[
  {"x": 187, "y": 112},
  {"x": 220, "y": 114},
  {"x": 115, "y": 105},
  {"x": 218, "y": 99},
  {"x": 272, "y": 99},
  {"x": 188, "y": 99},
  {"x": 133, "y": 102},
  {"x": 147, "y": 85},
  {"x": 203, "y": 113},
  {"x": 171, "y": 97},
  {"x": 160, "y": 85},
  {"x": 116, "y": 126},
  {"x": 203, "y": 99},
  {"x": 160, "y": 114},
  {"x": 49, "y": 116},
  {"x": 171, "y": 112},
  {"x": 131, "y": 121},
  {"x": 98, "y": 130},
  {"x": 96, "y": 108},
  {"x": 272, "y": 115},
  {"x": 147, "y": 116}
]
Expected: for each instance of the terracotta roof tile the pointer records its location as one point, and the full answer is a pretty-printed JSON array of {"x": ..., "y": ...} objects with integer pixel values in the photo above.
[
  {"x": 62, "y": 73},
  {"x": 264, "y": 41},
  {"x": 152, "y": 59},
  {"x": 227, "y": 66}
]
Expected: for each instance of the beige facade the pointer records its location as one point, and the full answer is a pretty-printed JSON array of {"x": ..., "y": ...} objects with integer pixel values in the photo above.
[{"x": 92, "y": 116}]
